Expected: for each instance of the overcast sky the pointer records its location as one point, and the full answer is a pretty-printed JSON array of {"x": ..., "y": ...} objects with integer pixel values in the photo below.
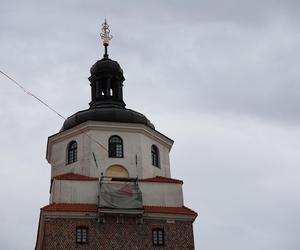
[{"x": 221, "y": 78}]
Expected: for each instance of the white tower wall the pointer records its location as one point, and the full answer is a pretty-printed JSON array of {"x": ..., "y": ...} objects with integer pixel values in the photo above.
[{"x": 137, "y": 142}]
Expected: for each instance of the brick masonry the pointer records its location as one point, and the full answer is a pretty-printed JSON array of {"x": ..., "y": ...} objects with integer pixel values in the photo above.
[{"x": 60, "y": 233}]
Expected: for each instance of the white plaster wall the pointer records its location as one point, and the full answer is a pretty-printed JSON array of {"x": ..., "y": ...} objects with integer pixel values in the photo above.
[
  {"x": 154, "y": 194},
  {"x": 162, "y": 194},
  {"x": 148, "y": 170},
  {"x": 66, "y": 191},
  {"x": 131, "y": 147},
  {"x": 59, "y": 157},
  {"x": 137, "y": 152}
]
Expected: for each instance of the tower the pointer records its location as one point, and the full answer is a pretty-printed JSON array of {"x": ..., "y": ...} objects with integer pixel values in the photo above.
[{"x": 111, "y": 186}]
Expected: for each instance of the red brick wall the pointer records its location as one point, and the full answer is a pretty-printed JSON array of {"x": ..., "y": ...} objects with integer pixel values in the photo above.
[{"x": 61, "y": 234}]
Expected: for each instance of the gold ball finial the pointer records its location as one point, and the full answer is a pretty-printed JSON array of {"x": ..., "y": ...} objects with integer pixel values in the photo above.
[{"x": 105, "y": 34}]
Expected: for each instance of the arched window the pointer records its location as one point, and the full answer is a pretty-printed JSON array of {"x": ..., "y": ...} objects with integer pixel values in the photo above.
[
  {"x": 115, "y": 147},
  {"x": 72, "y": 152},
  {"x": 155, "y": 156}
]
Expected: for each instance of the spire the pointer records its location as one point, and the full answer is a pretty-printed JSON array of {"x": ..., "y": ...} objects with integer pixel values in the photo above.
[
  {"x": 105, "y": 36},
  {"x": 106, "y": 78}
]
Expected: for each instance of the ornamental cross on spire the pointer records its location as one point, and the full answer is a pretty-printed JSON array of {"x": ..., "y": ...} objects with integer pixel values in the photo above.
[{"x": 105, "y": 36}]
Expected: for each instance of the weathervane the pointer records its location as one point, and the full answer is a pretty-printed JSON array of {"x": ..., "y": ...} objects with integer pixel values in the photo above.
[{"x": 105, "y": 36}]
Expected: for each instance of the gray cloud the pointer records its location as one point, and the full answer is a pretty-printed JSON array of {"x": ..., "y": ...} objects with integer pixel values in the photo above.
[{"x": 219, "y": 77}]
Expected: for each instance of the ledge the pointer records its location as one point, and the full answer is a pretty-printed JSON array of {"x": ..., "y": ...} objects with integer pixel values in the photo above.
[
  {"x": 92, "y": 208},
  {"x": 161, "y": 179},
  {"x": 70, "y": 207},
  {"x": 75, "y": 177}
]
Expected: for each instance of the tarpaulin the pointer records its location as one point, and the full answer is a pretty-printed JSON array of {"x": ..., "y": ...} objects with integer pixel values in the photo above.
[{"x": 120, "y": 195}]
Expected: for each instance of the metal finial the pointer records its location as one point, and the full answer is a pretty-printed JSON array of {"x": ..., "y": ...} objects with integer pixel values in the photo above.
[{"x": 105, "y": 36}]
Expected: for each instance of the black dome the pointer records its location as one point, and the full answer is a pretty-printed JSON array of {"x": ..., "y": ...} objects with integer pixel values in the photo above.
[
  {"x": 106, "y": 65},
  {"x": 106, "y": 115}
]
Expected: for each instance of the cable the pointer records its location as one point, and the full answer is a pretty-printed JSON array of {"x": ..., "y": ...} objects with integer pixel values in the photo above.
[
  {"x": 30, "y": 94},
  {"x": 49, "y": 107}
]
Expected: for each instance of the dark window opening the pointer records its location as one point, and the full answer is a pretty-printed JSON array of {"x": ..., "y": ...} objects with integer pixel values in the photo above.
[
  {"x": 155, "y": 156},
  {"x": 158, "y": 237},
  {"x": 82, "y": 235},
  {"x": 72, "y": 152},
  {"x": 103, "y": 88},
  {"x": 114, "y": 87},
  {"x": 115, "y": 147}
]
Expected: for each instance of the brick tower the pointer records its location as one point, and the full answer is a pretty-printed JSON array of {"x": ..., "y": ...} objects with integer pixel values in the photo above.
[{"x": 111, "y": 186}]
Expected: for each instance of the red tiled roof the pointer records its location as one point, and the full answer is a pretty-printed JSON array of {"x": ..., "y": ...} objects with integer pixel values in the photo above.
[
  {"x": 70, "y": 207},
  {"x": 92, "y": 208},
  {"x": 75, "y": 177},
  {"x": 169, "y": 210},
  {"x": 162, "y": 179}
]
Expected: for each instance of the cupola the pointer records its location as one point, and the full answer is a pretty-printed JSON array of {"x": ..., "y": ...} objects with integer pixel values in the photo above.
[
  {"x": 106, "y": 83},
  {"x": 106, "y": 78}
]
